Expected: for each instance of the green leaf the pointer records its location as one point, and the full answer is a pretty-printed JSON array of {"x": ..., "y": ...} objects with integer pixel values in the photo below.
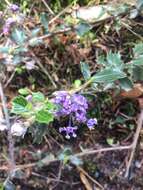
[
  {"x": 138, "y": 61},
  {"x": 110, "y": 141},
  {"x": 20, "y": 49},
  {"x": 101, "y": 60},
  {"x": 65, "y": 155},
  {"x": 125, "y": 84},
  {"x": 1, "y": 186},
  {"x": 138, "y": 73},
  {"x": 19, "y": 36},
  {"x": 77, "y": 83},
  {"x": 139, "y": 4},
  {"x": 38, "y": 96},
  {"x": 138, "y": 49},
  {"x": 38, "y": 131},
  {"x": 44, "y": 21},
  {"x": 49, "y": 106},
  {"x": 75, "y": 160},
  {"x": 35, "y": 41},
  {"x": 24, "y": 91},
  {"x": 44, "y": 116},
  {"x": 85, "y": 70},
  {"x": 108, "y": 75},
  {"x": 82, "y": 28},
  {"x": 5, "y": 49},
  {"x": 19, "y": 105},
  {"x": 50, "y": 157},
  {"x": 120, "y": 120},
  {"x": 114, "y": 59},
  {"x": 35, "y": 32},
  {"x": 17, "y": 59}
]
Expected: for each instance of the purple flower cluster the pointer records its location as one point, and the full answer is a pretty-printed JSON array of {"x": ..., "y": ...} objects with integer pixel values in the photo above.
[
  {"x": 74, "y": 105},
  {"x": 11, "y": 20},
  {"x": 14, "y": 7}
]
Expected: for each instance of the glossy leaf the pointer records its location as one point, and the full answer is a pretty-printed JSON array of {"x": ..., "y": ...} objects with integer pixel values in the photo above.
[
  {"x": 43, "y": 116},
  {"x": 38, "y": 97},
  {"x": 23, "y": 91},
  {"x": 19, "y": 105}
]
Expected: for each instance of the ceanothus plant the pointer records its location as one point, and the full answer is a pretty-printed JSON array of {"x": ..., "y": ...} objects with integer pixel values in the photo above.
[{"x": 34, "y": 107}]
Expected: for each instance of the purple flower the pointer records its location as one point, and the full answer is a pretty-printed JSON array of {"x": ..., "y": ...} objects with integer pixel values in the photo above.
[
  {"x": 6, "y": 30},
  {"x": 63, "y": 101},
  {"x": 14, "y": 7},
  {"x": 70, "y": 131},
  {"x": 79, "y": 100},
  {"x": 10, "y": 21},
  {"x": 91, "y": 123}
]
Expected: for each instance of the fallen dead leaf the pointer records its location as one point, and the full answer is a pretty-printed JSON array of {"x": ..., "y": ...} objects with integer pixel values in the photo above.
[
  {"x": 136, "y": 92},
  {"x": 85, "y": 181}
]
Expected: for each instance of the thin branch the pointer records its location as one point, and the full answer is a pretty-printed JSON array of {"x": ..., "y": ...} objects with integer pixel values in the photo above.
[
  {"x": 10, "y": 139},
  {"x": 81, "y": 154},
  {"x": 44, "y": 70},
  {"x": 58, "y": 15},
  {"x": 134, "y": 145},
  {"x": 47, "y": 6}
]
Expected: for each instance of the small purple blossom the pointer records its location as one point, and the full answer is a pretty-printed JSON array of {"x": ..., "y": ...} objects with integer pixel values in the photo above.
[
  {"x": 6, "y": 30},
  {"x": 91, "y": 123},
  {"x": 14, "y": 7},
  {"x": 9, "y": 22},
  {"x": 80, "y": 117},
  {"x": 70, "y": 131}
]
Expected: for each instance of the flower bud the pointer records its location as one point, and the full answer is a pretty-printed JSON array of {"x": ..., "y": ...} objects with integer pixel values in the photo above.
[{"x": 18, "y": 129}]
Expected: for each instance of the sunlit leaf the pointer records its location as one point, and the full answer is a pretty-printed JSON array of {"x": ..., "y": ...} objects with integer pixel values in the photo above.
[
  {"x": 19, "y": 105},
  {"x": 23, "y": 91}
]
